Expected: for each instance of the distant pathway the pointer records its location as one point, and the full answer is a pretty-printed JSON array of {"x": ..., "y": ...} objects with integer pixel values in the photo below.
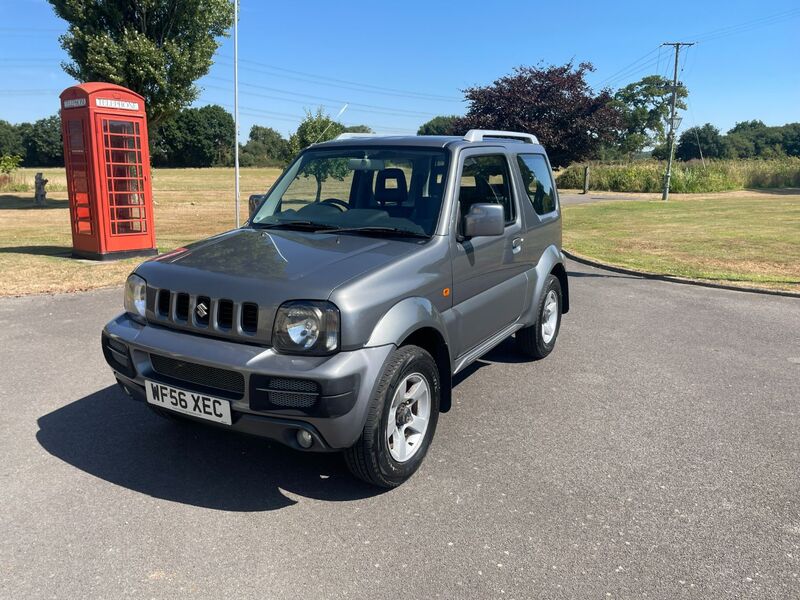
[{"x": 571, "y": 198}]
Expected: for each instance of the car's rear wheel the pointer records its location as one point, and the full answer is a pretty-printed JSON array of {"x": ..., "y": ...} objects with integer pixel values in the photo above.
[
  {"x": 539, "y": 339},
  {"x": 401, "y": 421}
]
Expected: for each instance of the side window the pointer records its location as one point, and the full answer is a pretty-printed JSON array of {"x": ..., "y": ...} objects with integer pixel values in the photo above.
[
  {"x": 538, "y": 182},
  {"x": 485, "y": 179}
]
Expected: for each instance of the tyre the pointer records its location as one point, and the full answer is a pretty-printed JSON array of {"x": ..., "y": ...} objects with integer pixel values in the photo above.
[
  {"x": 401, "y": 420},
  {"x": 539, "y": 339}
]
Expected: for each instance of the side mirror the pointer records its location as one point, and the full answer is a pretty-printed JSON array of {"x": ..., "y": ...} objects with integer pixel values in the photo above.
[
  {"x": 484, "y": 219},
  {"x": 254, "y": 202}
]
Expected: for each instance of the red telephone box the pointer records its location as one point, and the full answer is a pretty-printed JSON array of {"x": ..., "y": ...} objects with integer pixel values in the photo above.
[{"x": 104, "y": 128}]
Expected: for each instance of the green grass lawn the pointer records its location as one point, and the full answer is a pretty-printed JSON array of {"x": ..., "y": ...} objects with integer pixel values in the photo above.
[
  {"x": 735, "y": 238},
  {"x": 751, "y": 241},
  {"x": 35, "y": 243}
]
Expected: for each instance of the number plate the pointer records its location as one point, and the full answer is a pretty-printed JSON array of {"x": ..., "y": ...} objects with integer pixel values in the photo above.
[{"x": 189, "y": 403}]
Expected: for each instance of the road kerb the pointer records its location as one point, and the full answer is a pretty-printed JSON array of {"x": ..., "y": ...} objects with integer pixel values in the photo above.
[{"x": 673, "y": 279}]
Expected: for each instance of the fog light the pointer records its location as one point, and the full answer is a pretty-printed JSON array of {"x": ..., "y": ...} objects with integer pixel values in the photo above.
[{"x": 304, "y": 438}]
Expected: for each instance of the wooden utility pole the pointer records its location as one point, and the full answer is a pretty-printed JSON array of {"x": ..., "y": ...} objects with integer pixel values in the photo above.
[{"x": 671, "y": 136}]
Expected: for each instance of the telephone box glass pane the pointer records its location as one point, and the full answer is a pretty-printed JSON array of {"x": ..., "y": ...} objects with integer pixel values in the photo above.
[{"x": 124, "y": 176}]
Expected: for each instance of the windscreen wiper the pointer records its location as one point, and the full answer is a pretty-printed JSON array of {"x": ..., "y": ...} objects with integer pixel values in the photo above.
[
  {"x": 379, "y": 230},
  {"x": 297, "y": 224}
]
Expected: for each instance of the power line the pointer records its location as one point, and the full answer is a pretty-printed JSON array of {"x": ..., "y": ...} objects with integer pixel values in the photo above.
[
  {"x": 635, "y": 72},
  {"x": 281, "y": 116},
  {"x": 346, "y": 82},
  {"x": 627, "y": 67},
  {"x": 641, "y": 64},
  {"x": 362, "y": 88},
  {"x": 328, "y": 106},
  {"x": 387, "y": 110},
  {"x": 745, "y": 26}
]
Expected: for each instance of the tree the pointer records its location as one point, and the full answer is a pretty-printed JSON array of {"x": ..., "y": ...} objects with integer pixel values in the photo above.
[
  {"x": 748, "y": 127},
  {"x": 441, "y": 125},
  {"x": 9, "y": 163},
  {"x": 10, "y": 140},
  {"x": 195, "y": 137},
  {"x": 314, "y": 128},
  {"x": 157, "y": 48},
  {"x": 706, "y": 138},
  {"x": 42, "y": 143},
  {"x": 756, "y": 139},
  {"x": 791, "y": 139},
  {"x": 358, "y": 129},
  {"x": 318, "y": 127},
  {"x": 740, "y": 145},
  {"x": 555, "y": 103},
  {"x": 645, "y": 108},
  {"x": 265, "y": 147}
]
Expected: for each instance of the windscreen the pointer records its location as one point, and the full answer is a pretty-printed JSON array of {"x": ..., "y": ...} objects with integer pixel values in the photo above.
[{"x": 393, "y": 188}]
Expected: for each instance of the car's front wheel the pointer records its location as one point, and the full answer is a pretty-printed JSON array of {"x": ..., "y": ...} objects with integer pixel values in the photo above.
[
  {"x": 401, "y": 420},
  {"x": 539, "y": 339}
]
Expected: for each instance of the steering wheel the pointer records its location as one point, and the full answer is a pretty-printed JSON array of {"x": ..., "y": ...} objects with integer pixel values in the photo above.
[{"x": 340, "y": 204}]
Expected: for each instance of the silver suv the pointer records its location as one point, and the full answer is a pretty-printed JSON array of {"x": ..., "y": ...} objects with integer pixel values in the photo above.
[{"x": 373, "y": 271}]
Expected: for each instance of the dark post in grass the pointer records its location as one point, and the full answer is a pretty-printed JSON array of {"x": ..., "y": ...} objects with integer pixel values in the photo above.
[
  {"x": 40, "y": 195},
  {"x": 586, "y": 179}
]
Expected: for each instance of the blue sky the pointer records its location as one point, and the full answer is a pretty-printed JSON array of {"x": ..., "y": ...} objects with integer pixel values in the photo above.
[{"x": 399, "y": 64}]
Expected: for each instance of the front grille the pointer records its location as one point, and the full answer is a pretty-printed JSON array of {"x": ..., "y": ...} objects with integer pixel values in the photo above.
[
  {"x": 290, "y": 400},
  {"x": 293, "y": 385},
  {"x": 202, "y": 375},
  {"x": 203, "y": 313},
  {"x": 163, "y": 303},
  {"x": 182, "y": 307},
  {"x": 250, "y": 317},
  {"x": 225, "y": 314},
  {"x": 268, "y": 393}
]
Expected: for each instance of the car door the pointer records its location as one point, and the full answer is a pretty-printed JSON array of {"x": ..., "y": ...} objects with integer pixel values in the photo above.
[{"x": 488, "y": 276}]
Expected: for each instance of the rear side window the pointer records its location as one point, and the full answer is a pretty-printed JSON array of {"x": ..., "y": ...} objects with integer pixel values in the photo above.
[
  {"x": 538, "y": 182},
  {"x": 485, "y": 179}
]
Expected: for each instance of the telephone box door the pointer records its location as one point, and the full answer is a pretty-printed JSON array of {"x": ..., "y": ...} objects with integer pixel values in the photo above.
[
  {"x": 124, "y": 152},
  {"x": 78, "y": 160}
]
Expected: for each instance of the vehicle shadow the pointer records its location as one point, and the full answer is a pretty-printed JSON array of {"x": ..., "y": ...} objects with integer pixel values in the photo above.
[
  {"x": 117, "y": 439},
  {"x": 505, "y": 352}
]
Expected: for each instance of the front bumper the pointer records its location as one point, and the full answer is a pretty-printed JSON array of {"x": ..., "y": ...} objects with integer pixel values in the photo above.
[{"x": 345, "y": 380}]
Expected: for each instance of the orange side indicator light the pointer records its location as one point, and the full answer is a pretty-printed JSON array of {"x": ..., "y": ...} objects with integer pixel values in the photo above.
[{"x": 446, "y": 292}]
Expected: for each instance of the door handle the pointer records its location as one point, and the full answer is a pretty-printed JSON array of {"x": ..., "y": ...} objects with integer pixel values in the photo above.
[{"x": 516, "y": 244}]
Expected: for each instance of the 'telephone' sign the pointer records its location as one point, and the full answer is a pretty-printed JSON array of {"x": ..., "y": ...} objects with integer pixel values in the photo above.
[
  {"x": 74, "y": 102},
  {"x": 118, "y": 104}
]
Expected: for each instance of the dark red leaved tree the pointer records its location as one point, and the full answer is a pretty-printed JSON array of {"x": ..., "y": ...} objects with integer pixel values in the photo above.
[{"x": 554, "y": 103}]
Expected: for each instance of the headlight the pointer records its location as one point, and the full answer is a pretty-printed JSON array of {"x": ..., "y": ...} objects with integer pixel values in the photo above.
[
  {"x": 135, "y": 295},
  {"x": 306, "y": 327}
]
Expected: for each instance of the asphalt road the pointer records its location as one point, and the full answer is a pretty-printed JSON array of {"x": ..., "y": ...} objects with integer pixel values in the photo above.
[{"x": 655, "y": 454}]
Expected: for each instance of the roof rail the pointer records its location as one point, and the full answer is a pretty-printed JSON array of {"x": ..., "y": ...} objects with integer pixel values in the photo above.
[
  {"x": 349, "y": 136},
  {"x": 479, "y": 135}
]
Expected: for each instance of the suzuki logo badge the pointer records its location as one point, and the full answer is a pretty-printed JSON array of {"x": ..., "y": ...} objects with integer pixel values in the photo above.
[{"x": 201, "y": 310}]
